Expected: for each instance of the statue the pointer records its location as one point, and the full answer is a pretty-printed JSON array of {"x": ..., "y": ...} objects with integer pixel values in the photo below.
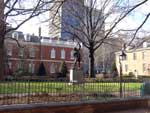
[
  {"x": 77, "y": 56},
  {"x": 76, "y": 75}
]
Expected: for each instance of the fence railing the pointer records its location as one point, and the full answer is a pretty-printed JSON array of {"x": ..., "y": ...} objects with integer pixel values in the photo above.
[{"x": 44, "y": 91}]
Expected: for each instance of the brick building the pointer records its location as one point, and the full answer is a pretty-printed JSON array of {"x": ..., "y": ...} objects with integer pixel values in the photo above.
[{"x": 33, "y": 51}]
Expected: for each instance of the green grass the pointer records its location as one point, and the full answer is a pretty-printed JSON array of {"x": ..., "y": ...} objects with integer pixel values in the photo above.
[{"x": 61, "y": 87}]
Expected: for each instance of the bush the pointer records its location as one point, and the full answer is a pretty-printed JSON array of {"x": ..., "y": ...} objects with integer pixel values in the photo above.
[
  {"x": 20, "y": 72},
  {"x": 41, "y": 70},
  {"x": 9, "y": 77},
  {"x": 125, "y": 75},
  {"x": 143, "y": 77},
  {"x": 63, "y": 69},
  {"x": 113, "y": 67},
  {"x": 114, "y": 70},
  {"x": 131, "y": 74}
]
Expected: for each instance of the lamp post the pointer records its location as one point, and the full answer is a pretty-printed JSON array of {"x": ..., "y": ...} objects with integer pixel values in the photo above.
[{"x": 122, "y": 56}]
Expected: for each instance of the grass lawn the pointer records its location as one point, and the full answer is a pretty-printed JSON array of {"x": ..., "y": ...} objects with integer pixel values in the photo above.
[{"x": 62, "y": 87}]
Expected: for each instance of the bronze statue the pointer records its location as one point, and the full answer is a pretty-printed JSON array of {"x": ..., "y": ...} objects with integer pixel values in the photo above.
[{"x": 77, "y": 56}]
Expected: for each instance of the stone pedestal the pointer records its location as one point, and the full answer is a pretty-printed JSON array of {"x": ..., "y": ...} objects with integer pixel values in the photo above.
[{"x": 76, "y": 75}]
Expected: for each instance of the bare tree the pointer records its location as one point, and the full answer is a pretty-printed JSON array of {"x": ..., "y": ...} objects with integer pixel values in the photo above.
[
  {"x": 94, "y": 23},
  {"x": 19, "y": 12}
]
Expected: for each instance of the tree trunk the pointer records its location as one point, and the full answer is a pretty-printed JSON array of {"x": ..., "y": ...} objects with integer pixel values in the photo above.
[
  {"x": 1, "y": 64},
  {"x": 91, "y": 63},
  {"x": 2, "y": 35}
]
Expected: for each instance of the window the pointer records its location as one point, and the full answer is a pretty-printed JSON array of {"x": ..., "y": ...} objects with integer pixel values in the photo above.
[
  {"x": 63, "y": 54},
  {"x": 32, "y": 52},
  {"x": 53, "y": 53},
  {"x": 72, "y": 55},
  {"x": 52, "y": 68},
  {"x": 27, "y": 37},
  {"x": 143, "y": 55},
  {"x": 144, "y": 67},
  {"x": 126, "y": 68},
  {"x": 20, "y": 65},
  {"x": 21, "y": 52},
  {"x": 9, "y": 51},
  {"x": 134, "y": 56},
  {"x": 10, "y": 65},
  {"x": 8, "y": 68},
  {"x": 15, "y": 35},
  {"x": 31, "y": 67}
]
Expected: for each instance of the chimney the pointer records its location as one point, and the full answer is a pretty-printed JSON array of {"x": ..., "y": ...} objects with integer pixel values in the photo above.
[{"x": 39, "y": 31}]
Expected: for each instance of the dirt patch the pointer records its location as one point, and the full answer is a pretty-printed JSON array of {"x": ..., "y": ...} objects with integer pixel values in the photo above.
[
  {"x": 45, "y": 98},
  {"x": 39, "y": 98}
]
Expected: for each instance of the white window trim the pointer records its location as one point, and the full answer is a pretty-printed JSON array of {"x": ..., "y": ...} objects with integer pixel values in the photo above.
[
  {"x": 21, "y": 52},
  {"x": 72, "y": 54},
  {"x": 144, "y": 67},
  {"x": 52, "y": 68},
  {"x": 32, "y": 52},
  {"x": 20, "y": 65},
  {"x": 53, "y": 53},
  {"x": 10, "y": 65},
  {"x": 9, "y": 51},
  {"x": 143, "y": 55},
  {"x": 134, "y": 56},
  {"x": 126, "y": 67},
  {"x": 31, "y": 67},
  {"x": 63, "y": 54}
]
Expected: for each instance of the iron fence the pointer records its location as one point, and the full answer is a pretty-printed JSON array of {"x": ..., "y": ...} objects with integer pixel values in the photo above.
[{"x": 45, "y": 91}]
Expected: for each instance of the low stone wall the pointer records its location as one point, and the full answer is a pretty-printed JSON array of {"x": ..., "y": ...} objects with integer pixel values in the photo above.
[{"x": 90, "y": 107}]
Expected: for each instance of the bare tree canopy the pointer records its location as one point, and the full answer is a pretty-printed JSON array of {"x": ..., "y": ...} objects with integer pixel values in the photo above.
[
  {"x": 18, "y": 12},
  {"x": 91, "y": 21},
  {"x": 95, "y": 21}
]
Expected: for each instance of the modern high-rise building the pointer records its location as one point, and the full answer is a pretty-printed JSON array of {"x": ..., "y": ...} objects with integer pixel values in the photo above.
[{"x": 63, "y": 14}]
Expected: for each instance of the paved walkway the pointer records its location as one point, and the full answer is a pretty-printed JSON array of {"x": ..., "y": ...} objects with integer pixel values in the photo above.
[{"x": 134, "y": 111}]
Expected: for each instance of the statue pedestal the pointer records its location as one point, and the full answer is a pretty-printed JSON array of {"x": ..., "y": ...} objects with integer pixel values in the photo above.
[{"x": 76, "y": 76}]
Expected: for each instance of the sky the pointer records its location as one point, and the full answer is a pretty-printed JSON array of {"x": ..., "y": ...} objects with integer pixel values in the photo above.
[
  {"x": 32, "y": 27},
  {"x": 130, "y": 22}
]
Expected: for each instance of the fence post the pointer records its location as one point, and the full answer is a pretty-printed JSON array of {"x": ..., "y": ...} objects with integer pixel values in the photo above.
[
  {"x": 28, "y": 91},
  {"x": 82, "y": 90}
]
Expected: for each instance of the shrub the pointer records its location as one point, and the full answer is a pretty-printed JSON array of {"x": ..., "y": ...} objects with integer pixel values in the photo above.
[
  {"x": 20, "y": 72},
  {"x": 114, "y": 70},
  {"x": 41, "y": 71},
  {"x": 113, "y": 67},
  {"x": 63, "y": 69},
  {"x": 131, "y": 74},
  {"x": 125, "y": 75}
]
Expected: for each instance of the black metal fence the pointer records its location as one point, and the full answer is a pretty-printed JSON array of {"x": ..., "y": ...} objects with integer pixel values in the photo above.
[{"x": 44, "y": 91}]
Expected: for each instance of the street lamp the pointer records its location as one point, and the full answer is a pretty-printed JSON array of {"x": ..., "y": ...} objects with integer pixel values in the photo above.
[{"x": 122, "y": 57}]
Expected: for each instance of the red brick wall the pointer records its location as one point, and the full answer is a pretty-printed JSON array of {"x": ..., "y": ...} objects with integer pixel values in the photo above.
[
  {"x": 46, "y": 56},
  {"x": 83, "y": 108}
]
